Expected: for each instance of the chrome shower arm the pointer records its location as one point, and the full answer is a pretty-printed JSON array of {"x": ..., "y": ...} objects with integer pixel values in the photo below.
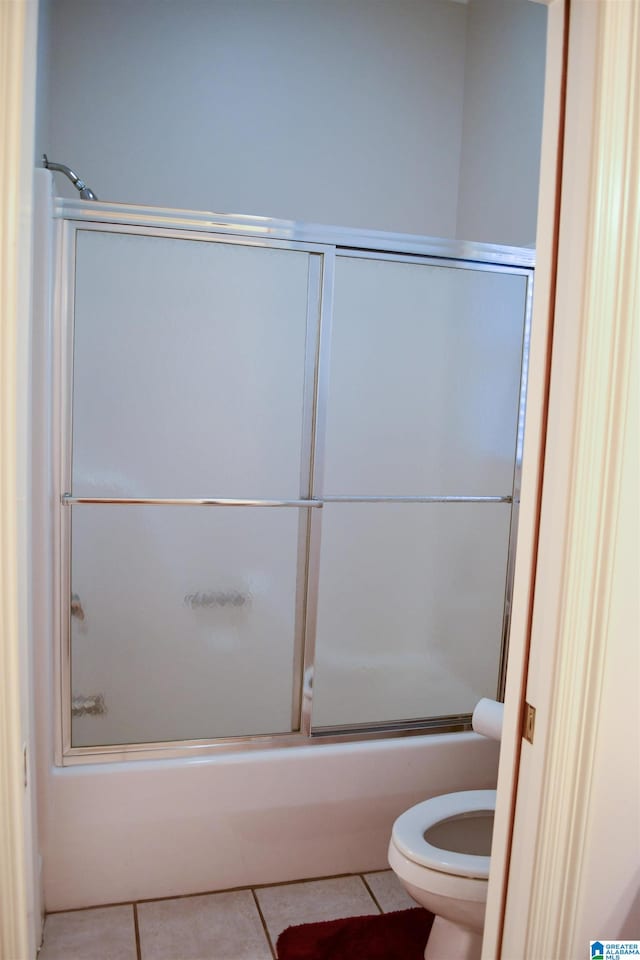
[
  {"x": 63, "y": 168},
  {"x": 86, "y": 193}
]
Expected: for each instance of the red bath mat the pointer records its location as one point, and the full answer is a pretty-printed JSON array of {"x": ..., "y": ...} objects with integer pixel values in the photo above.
[{"x": 387, "y": 936}]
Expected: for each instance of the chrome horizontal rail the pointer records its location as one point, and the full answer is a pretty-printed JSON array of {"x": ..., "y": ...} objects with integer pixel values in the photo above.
[
  {"x": 68, "y": 500},
  {"x": 436, "y": 499}
]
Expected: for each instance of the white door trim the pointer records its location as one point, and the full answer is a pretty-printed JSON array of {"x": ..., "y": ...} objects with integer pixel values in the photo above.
[
  {"x": 592, "y": 392},
  {"x": 19, "y": 900},
  {"x": 532, "y": 467}
]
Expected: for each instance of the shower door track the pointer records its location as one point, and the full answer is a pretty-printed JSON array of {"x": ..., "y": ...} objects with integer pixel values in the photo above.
[{"x": 327, "y": 243}]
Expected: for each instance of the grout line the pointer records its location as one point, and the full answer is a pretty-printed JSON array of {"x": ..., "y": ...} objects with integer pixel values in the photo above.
[
  {"x": 93, "y": 906},
  {"x": 204, "y": 893},
  {"x": 264, "y": 925},
  {"x": 290, "y": 883},
  {"x": 256, "y": 886},
  {"x": 137, "y": 931},
  {"x": 373, "y": 896}
]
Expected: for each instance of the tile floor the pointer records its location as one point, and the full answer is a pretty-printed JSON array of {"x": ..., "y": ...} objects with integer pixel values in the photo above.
[{"x": 234, "y": 925}]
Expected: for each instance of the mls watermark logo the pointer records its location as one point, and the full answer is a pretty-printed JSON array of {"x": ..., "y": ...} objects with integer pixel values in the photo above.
[{"x": 614, "y": 949}]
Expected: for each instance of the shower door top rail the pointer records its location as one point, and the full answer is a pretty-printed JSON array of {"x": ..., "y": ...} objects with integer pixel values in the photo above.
[{"x": 300, "y": 231}]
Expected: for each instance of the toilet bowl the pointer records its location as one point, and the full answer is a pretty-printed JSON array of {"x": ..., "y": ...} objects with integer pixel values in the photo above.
[{"x": 440, "y": 852}]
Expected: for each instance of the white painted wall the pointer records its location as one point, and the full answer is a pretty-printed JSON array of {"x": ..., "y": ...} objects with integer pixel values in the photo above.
[
  {"x": 502, "y": 124},
  {"x": 43, "y": 78},
  {"x": 416, "y": 116},
  {"x": 327, "y": 111}
]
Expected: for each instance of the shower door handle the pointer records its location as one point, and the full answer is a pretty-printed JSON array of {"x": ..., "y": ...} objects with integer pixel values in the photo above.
[{"x": 68, "y": 500}]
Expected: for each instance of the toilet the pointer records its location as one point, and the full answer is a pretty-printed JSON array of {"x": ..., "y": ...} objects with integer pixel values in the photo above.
[{"x": 440, "y": 851}]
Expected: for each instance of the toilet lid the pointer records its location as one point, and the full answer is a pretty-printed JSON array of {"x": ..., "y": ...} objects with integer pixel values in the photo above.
[{"x": 410, "y": 827}]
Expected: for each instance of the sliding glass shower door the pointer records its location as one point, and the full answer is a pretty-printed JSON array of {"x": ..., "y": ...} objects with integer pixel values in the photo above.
[
  {"x": 289, "y": 482},
  {"x": 423, "y": 403},
  {"x": 191, "y": 380}
]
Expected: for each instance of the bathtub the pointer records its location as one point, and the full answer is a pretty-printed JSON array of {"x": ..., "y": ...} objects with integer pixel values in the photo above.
[{"x": 160, "y": 828}]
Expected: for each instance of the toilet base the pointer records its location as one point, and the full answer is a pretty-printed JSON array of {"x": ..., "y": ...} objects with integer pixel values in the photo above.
[{"x": 448, "y": 941}]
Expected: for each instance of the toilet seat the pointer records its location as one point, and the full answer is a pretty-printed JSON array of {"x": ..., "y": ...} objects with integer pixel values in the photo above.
[{"x": 410, "y": 827}]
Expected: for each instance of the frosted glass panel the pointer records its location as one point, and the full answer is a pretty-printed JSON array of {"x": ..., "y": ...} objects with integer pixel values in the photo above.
[
  {"x": 424, "y": 379},
  {"x": 410, "y": 610},
  {"x": 184, "y": 622},
  {"x": 189, "y": 363}
]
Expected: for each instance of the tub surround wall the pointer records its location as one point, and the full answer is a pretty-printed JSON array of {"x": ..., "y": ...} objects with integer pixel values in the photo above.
[{"x": 160, "y": 828}]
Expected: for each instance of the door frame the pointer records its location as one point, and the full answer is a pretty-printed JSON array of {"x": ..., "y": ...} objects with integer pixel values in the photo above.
[
  {"x": 566, "y": 576},
  {"x": 20, "y": 900}
]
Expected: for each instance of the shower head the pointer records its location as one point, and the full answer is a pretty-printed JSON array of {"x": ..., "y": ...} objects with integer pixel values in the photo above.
[{"x": 86, "y": 193}]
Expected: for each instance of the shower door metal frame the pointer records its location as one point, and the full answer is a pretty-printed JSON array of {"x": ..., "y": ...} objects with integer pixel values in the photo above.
[
  {"x": 330, "y": 243},
  {"x": 337, "y": 732},
  {"x": 320, "y": 280}
]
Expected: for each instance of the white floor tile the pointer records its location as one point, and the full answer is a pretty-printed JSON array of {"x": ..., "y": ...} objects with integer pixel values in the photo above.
[
  {"x": 388, "y": 891},
  {"x": 313, "y": 900},
  {"x": 219, "y": 926},
  {"x": 103, "y": 933}
]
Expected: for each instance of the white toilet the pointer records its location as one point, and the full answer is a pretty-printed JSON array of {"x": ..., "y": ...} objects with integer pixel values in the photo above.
[{"x": 440, "y": 851}]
